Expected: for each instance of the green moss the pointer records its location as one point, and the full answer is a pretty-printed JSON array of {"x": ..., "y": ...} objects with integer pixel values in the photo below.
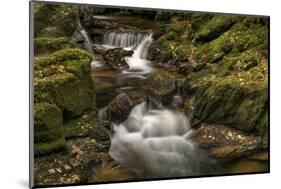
[
  {"x": 50, "y": 45},
  {"x": 47, "y": 117},
  {"x": 64, "y": 78},
  {"x": 166, "y": 15},
  {"x": 227, "y": 100},
  {"x": 161, "y": 83},
  {"x": 85, "y": 125},
  {"x": 198, "y": 20},
  {"x": 60, "y": 56},
  {"x": 52, "y": 20},
  {"x": 41, "y": 149},
  {"x": 48, "y": 136},
  {"x": 232, "y": 87},
  {"x": 215, "y": 27}
]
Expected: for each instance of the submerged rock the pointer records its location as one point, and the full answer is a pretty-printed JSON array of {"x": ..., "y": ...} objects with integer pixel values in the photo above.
[
  {"x": 119, "y": 108},
  {"x": 115, "y": 58}
]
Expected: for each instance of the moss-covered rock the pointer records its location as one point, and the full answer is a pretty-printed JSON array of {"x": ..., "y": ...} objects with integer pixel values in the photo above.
[
  {"x": 48, "y": 136},
  {"x": 64, "y": 78},
  {"x": 171, "y": 41},
  {"x": 215, "y": 27},
  {"x": 231, "y": 85},
  {"x": 85, "y": 125},
  {"x": 54, "y": 20},
  {"x": 226, "y": 101},
  {"x": 54, "y": 146},
  {"x": 163, "y": 85},
  {"x": 47, "y": 120},
  {"x": 50, "y": 45}
]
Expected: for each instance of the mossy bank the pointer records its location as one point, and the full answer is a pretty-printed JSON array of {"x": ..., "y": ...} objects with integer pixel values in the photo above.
[{"x": 225, "y": 63}]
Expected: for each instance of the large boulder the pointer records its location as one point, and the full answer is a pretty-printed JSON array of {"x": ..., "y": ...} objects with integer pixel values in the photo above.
[
  {"x": 64, "y": 78},
  {"x": 119, "y": 108},
  {"x": 228, "y": 102},
  {"x": 115, "y": 58}
]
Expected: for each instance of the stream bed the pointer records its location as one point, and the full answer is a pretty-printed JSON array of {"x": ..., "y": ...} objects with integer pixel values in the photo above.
[{"x": 155, "y": 137}]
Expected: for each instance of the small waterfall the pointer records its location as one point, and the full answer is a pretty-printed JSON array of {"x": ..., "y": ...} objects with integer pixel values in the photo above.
[
  {"x": 83, "y": 32},
  {"x": 138, "y": 64},
  {"x": 155, "y": 143},
  {"x": 142, "y": 48},
  {"x": 123, "y": 38}
]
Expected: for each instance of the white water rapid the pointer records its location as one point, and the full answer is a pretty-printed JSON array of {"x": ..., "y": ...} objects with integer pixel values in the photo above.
[
  {"x": 138, "y": 63},
  {"x": 139, "y": 42},
  {"x": 156, "y": 143},
  {"x": 84, "y": 33}
]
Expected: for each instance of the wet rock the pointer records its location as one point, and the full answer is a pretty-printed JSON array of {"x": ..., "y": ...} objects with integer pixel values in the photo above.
[
  {"x": 77, "y": 37},
  {"x": 115, "y": 58},
  {"x": 119, "y": 108},
  {"x": 86, "y": 14},
  {"x": 163, "y": 85},
  {"x": 225, "y": 143}
]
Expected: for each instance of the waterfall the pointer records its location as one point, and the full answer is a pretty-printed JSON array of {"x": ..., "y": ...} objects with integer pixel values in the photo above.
[
  {"x": 122, "y": 39},
  {"x": 83, "y": 32},
  {"x": 155, "y": 143},
  {"x": 138, "y": 64},
  {"x": 142, "y": 48}
]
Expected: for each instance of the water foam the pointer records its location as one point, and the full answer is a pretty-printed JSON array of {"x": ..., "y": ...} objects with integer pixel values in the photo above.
[{"x": 156, "y": 143}]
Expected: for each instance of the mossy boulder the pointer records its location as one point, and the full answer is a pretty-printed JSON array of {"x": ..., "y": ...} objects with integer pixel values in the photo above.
[
  {"x": 48, "y": 136},
  {"x": 238, "y": 39},
  {"x": 215, "y": 27},
  {"x": 171, "y": 41},
  {"x": 50, "y": 45},
  {"x": 226, "y": 101},
  {"x": 64, "y": 78},
  {"x": 54, "y": 20}
]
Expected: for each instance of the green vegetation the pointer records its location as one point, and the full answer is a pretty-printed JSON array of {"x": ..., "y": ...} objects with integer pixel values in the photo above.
[
  {"x": 231, "y": 85},
  {"x": 50, "y": 45},
  {"x": 52, "y": 20},
  {"x": 62, "y": 89},
  {"x": 64, "y": 78}
]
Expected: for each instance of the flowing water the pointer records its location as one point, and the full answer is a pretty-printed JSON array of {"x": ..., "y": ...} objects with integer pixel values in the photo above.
[
  {"x": 122, "y": 39},
  {"x": 154, "y": 142}
]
